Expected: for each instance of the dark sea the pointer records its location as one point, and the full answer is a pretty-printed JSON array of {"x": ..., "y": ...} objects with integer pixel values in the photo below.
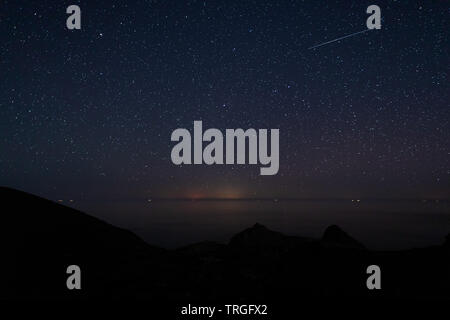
[{"x": 378, "y": 224}]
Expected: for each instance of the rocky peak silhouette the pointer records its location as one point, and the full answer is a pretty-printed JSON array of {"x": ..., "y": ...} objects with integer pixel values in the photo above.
[
  {"x": 257, "y": 236},
  {"x": 335, "y": 236}
]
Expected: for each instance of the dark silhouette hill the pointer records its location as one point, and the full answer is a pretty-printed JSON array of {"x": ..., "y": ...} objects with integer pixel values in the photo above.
[
  {"x": 40, "y": 238},
  {"x": 335, "y": 236},
  {"x": 46, "y": 219},
  {"x": 257, "y": 236}
]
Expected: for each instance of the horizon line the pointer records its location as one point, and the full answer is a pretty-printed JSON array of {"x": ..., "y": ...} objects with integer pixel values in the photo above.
[{"x": 273, "y": 199}]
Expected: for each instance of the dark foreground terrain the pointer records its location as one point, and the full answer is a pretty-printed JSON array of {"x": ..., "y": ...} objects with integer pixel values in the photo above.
[{"x": 40, "y": 238}]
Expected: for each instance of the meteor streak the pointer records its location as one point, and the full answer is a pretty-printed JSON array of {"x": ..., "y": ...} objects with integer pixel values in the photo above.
[{"x": 349, "y": 35}]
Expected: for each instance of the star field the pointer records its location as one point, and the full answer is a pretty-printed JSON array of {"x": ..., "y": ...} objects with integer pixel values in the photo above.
[{"x": 89, "y": 113}]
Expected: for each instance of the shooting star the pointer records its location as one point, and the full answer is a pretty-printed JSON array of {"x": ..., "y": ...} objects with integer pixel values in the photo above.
[{"x": 347, "y": 36}]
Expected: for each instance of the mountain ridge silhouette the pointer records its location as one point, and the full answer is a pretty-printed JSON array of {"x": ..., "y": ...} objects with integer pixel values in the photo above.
[{"x": 44, "y": 237}]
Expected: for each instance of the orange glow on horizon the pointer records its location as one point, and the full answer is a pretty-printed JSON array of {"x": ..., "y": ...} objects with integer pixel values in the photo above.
[{"x": 222, "y": 193}]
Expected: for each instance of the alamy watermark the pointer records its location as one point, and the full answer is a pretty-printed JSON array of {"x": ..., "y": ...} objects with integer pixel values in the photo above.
[{"x": 235, "y": 140}]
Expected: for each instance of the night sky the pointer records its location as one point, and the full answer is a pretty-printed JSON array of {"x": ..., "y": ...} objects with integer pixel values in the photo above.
[{"x": 88, "y": 114}]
